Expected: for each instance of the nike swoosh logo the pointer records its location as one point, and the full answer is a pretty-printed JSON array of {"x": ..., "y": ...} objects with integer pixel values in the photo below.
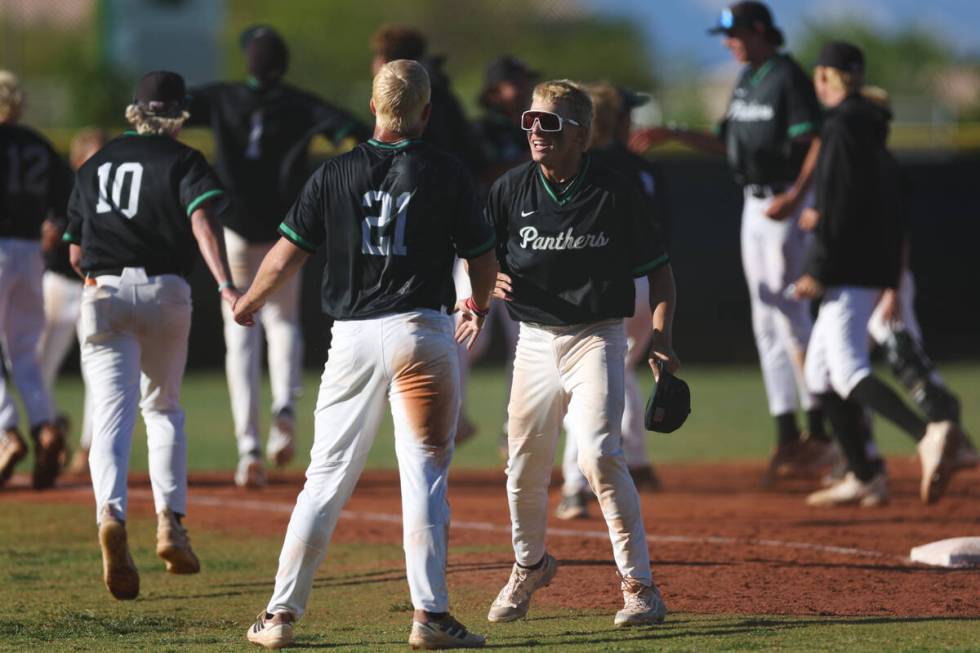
[{"x": 524, "y": 214}]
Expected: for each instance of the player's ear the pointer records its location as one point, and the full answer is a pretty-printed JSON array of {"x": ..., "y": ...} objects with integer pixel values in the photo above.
[{"x": 374, "y": 111}]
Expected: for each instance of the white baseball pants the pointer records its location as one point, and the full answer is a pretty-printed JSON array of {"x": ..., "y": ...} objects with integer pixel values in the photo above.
[
  {"x": 639, "y": 331},
  {"x": 21, "y": 323},
  {"x": 279, "y": 319},
  {"x": 62, "y": 303},
  {"x": 576, "y": 371},
  {"x": 774, "y": 256},
  {"x": 135, "y": 331},
  {"x": 839, "y": 354},
  {"x": 410, "y": 358}
]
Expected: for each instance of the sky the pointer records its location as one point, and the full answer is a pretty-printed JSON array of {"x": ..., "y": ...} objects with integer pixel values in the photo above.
[{"x": 676, "y": 28}]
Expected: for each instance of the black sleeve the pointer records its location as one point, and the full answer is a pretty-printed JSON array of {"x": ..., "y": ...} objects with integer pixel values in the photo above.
[
  {"x": 472, "y": 233},
  {"x": 495, "y": 215},
  {"x": 336, "y": 124},
  {"x": 198, "y": 183},
  {"x": 304, "y": 224},
  {"x": 647, "y": 250},
  {"x": 76, "y": 209},
  {"x": 802, "y": 108},
  {"x": 62, "y": 180},
  {"x": 833, "y": 177},
  {"x": 200, "y": 105}
]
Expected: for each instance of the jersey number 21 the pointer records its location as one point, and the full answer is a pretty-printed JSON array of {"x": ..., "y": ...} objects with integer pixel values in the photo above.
[{"x": 376, "y": 230}]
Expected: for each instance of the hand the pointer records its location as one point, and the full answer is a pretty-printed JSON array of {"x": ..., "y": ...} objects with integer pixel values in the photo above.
[
  {"x": 231, "y": 296},
  {"x": 50, "y": 236},
  {"x": 806, "y": 287},
  {"x": 809, "y": 219},
  {"x": 468, "y": 325},
  {"x": 661, "y": 351},
  {"x": 244, "y": 309},
  {"x": 783, "y": 205},
  {"x": 891, "y": 308},
  {"x": 503, "y": 289},
  {"x": 642, "y": 140}
]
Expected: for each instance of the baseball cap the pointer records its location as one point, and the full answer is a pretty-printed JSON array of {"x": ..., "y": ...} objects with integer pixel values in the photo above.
[
  {"x": 506, "y": 68},
  {"x": 266, "y": 54},
  {"x": 843, "y": 56},
  {"x": 750, "y": 15},
  {"x": 631, "y": 99},
  {"x": 669, "y": 405},
  {"x": 162, "y": 93}
]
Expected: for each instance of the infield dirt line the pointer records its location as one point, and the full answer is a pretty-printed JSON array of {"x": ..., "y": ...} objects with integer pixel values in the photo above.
[{"x": 391, "y": 518}]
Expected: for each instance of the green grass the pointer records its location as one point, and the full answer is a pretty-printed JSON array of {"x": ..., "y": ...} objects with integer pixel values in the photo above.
[
  {"x": 729, "y": 419},
  {"x": 52, "y": 599}
]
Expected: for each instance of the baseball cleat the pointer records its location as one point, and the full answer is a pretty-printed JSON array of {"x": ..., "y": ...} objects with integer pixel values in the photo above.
[
  {"x": 573, "y": 506},
  {"x": 852, "y": 490},
  {"x": 514, "y": 599},
  {"x": 937, "y": 454},
  {"x": 250, "y": 473},
  {"x": 118, "y": 569},
  {"x": 174, "y": 546},
  {"x": 272, "y": 630},
  {"x": 12, "y": 451},
  {"x": 281, "y": 446},
  {"x": 645, "y": 478},
  {"x": 49, "y": 448},
  {"x": 642, "y": 605},
  {"x": 445, "y": 633}
]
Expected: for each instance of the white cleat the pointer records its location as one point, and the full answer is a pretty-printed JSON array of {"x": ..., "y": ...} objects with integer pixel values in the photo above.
[
  {"x": 642, "y": 605},
  {"x": 250, "y": 473},
  {"x": 447, "y": 633},
  {"x": 272, "y": 630},
  {"x": 281, "y": 446},
  {"x": 937, "y": 454},
  {"x": 852, "y": 490},
  {"x": 514, "y": 599}
]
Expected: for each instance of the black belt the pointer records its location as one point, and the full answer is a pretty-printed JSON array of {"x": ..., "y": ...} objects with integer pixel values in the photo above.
[
  {"x": 762, "y": 191},
  {"x": 117, "y": 272}
]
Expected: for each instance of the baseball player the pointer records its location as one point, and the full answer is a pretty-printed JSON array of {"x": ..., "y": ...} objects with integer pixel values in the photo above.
[
  {"x": 572, "y": 234},
  {"x": 262, "y": 129},
  {"x": 610, "y": 132},
  {"x": 63, "y": 301},
  {"x": 34, "y": 184},
  {"x": 856, "y": 254},
  {"x": 394, "y": 211},
  {"x": 769, "y": 134},
  {"x": 138, "y": 207}
]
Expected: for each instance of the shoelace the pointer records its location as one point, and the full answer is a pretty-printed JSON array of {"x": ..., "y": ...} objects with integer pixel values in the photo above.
[
  {"x": 514, "y": 586},
  {"x": 637, "y": 596}
]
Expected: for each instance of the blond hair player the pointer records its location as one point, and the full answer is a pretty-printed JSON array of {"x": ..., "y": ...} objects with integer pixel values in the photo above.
[{"x": 394, "y": 212}]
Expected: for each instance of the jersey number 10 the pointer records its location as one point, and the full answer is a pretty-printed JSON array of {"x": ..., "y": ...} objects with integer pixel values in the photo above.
[
  {"x": 376, "y": 231},
  {"x": 132, "y": 202}
]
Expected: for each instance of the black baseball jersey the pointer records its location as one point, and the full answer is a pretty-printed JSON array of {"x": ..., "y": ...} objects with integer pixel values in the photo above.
[
  {"x": 770, "y": 108},
  {"x": 648, "y": 177},
  {"x": 34, "y": 182},
  {"x": 132, "y": 203},
  {"x": 573, "y": 254},
  {"x": 392, "y": 217},
  {"x": 262, "y": 136}
]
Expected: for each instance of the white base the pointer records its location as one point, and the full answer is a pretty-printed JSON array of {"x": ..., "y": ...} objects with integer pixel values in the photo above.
[{"x": 954, "y": 552}]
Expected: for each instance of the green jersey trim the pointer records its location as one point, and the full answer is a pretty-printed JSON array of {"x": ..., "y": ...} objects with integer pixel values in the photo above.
[
  {"x": 68, "y": 238},
  {"x": 564, "y": 197},
  {"x": 296, "y": 239},
  {"x": 799, "y": 129},
  {"x": 203, "y": 197},
  {"x": 762, "y": 72},
  {"x": 639, "y": 271},
  {"x": 479, "y": 251},
  {"x": 394, "y": 146}
]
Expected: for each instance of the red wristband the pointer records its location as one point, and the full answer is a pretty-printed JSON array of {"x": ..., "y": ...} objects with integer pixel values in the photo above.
[{"x": 471, "y": 306}]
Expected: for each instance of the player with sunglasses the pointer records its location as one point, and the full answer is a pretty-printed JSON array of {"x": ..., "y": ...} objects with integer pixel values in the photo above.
[{"x": 571, "y": 235}]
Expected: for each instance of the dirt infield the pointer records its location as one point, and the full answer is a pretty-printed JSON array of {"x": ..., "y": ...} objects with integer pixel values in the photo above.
[{"x": 718, "y": 543}]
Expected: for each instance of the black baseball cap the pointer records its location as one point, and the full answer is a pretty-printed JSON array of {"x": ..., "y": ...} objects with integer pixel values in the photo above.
[
  {"x": 669, "y": 405},
  {"x": 266, "y": 53},
  {"x": 162, "y": 93},
  {"x": 750, "y": 15},
  {"x": 506, "y": 68},
  {"x": 631, "y": 99},
  {"x": 843, "y": 56}
]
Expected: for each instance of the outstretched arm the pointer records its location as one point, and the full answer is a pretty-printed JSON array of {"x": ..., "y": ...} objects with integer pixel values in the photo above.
[
  {"x": 281, "y": 263},
  {"x": 211, "y": 241}
]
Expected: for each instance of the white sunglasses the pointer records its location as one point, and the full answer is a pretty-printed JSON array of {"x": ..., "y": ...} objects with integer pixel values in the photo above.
[{"x": 547, "y": 121}]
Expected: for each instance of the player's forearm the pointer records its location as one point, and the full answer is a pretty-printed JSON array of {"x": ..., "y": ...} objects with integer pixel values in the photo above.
[
  {"x": 211, "y": 241},
  {"x": 482, "y": 271},
  {"x": 663, "y": 300},
  {"x": 75, "y": 259},
  {"x": 279, "y": 265},
  {"x": 805, "y": 177}
]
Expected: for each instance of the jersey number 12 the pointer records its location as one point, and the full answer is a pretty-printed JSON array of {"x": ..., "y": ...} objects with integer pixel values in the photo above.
[
  {"x": 376, "y": 231},
  {"x": 118, "y": 180}
]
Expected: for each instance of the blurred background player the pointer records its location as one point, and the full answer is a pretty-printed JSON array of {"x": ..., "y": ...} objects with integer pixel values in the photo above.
[
  {"x": 611, "y": 125},
  {"x": 34, "y": 185},
  {"x": 856, "y": 254},
  {"x": 63, "y": 300},
  {"x": 770, "y": 135},
  {"x": 507, "y": 86},
  {"x": 262, "y": 129},
  {"x": 386, "y": 286},
  {"x": 138, "y": 206}
]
